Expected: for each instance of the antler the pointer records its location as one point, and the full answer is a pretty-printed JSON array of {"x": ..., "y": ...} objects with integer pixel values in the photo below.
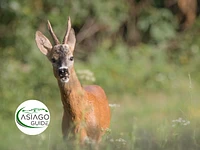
[
  {"x": 67, "y": 32},
  {"x": 55, "y": 39}
]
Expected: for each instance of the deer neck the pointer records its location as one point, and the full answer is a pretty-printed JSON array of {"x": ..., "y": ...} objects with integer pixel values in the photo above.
[{"x": 72, "y": 94}]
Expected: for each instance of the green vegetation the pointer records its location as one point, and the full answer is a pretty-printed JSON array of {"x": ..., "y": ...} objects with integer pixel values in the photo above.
[{"x": 148, "y": 68}]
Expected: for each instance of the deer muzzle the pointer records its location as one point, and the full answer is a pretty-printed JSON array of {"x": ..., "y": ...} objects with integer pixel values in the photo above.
[{"x": 63, "y": 74}]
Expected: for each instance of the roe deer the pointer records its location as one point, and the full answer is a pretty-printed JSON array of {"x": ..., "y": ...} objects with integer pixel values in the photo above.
[{"x": 86, "y": 109}]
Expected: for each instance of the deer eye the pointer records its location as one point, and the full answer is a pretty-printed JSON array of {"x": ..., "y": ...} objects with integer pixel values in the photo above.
[
  {"x": 71, "y": 58},
  {"x": 53, "y": 60}
]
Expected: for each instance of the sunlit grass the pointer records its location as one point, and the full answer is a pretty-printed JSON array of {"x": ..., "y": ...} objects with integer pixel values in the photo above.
[
  {"x": 151, "y": 121},
  {"x": 146, "y": 110}
]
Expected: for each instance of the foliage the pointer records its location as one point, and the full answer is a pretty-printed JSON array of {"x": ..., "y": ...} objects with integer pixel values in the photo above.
[{"x": 161, "y": 26}]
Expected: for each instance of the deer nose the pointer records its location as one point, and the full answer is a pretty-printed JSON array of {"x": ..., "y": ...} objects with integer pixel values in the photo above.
[{"x": 62, "y": 71}]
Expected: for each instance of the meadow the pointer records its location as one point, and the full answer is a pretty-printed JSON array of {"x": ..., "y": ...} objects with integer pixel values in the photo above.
[
  {"x": 163, "y": 113},
  {"x": 152, "y": 85}
]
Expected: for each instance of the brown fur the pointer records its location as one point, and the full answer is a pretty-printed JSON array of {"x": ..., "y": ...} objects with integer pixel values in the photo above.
[{"x": 86, "y": 109}]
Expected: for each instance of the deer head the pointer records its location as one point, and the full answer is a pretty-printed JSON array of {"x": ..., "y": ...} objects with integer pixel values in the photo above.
[{"x": 60, "y": 55}]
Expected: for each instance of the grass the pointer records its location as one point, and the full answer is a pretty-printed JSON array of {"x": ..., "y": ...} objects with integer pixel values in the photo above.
[
  {"x": 141, "y": 122},
  {"x": 148, "y": 101}
]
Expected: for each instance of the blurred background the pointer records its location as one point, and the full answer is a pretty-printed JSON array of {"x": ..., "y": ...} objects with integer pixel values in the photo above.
[{"x": 144, "y": 53}]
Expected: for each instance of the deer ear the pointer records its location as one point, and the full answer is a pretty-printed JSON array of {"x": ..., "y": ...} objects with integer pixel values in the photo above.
[
  {"x": 71, "y": 39},
  {"x": 43, "y": 43}
]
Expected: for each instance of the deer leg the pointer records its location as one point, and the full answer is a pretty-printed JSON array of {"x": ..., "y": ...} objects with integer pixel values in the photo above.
[{"x": 65, "y": 126}]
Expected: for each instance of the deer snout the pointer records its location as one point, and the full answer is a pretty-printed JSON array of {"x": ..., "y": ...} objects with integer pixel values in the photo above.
[{"x": 63, "y": 71}]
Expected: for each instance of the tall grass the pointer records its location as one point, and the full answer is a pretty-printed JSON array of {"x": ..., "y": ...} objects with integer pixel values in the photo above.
[{"x": 151, "y": 95}]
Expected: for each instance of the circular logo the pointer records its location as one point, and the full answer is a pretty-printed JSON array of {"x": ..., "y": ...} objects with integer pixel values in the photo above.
[{"x": 32, "y": 117}]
